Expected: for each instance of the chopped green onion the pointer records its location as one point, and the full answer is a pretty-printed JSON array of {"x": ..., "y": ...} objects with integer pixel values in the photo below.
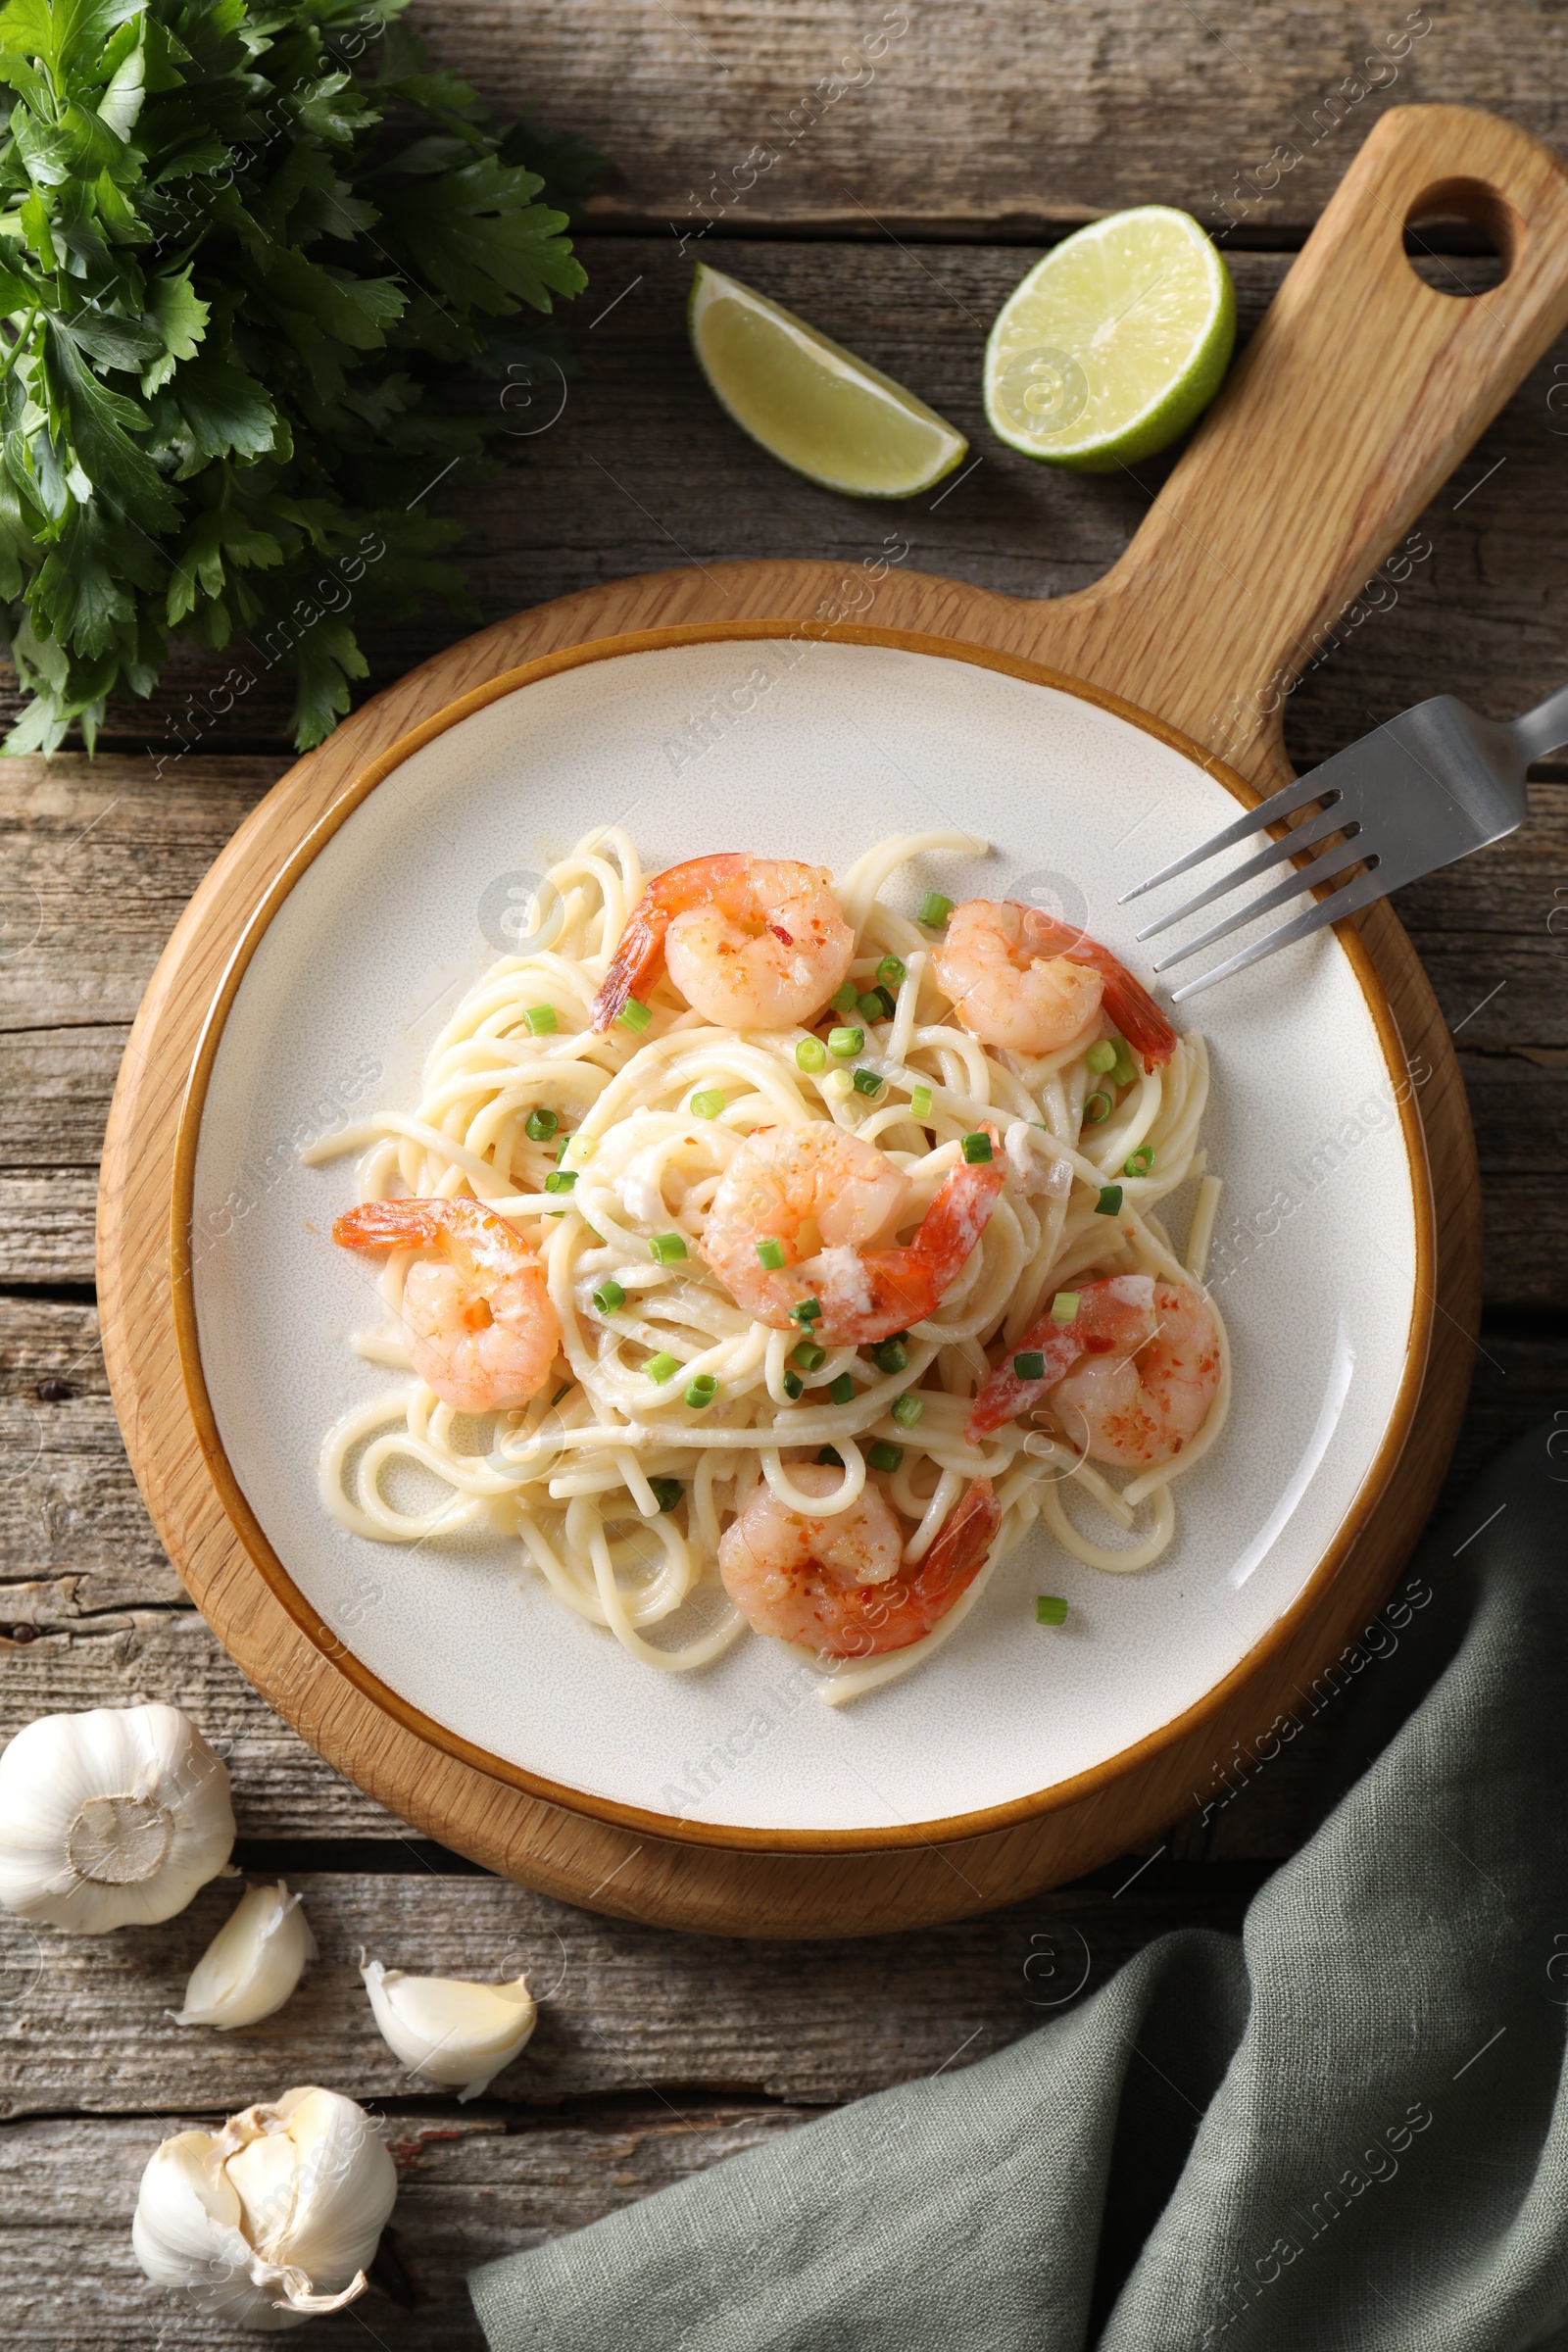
[
  {"x": 809, "y": 1355},
  {"x": 842, "y": 1390},
  {"x": 561, "y": 1180},
  {"x": 1102, "y": 1056},
  {"x": 668, "y": 1248},
  {"x": 1050, "y": 1609},
  {"x": 891, "y": 1354},
  {"x": 772, "y": 1254},
  {"x": 609, "y": 1297},
  {"x": 1097, "y": 1107},
  {"x": 891, "y": 971},
  {"x": 868, "y": 1081},
  {"x": 635, "y": 1017},
  {"x": 844, "y": 1043},
  {"x": 587, "y": 1228},
  {"x": 702, "y": 1390},
  {"x": 877, "y": 1005},
  {"x": 709, "y": 1104},
  {"x": 977, "y": 1149},
  {"x": 920, "y": 1101},
  {"x": 668, "y": 1491},
  {"x": 934, "y": 909},
  {"x": 1141, "y": 1163},
  {"x": 661, "y": 1367},
  {"x": 831, "y": 1458},
  {"x": 1125, "y": 1072},
  {"x": 883, "y": 1456},
  {"x": 540, "y": 1125},
  {"x": 807, "y": 1310},
  {"x": 838, "y": 1085},
  {"x": 1030, "y": 1365},
  {"x": 1064, "y": 1307},
  {"x": 1109, "y": 1202},
  {"x": 794, "y": 1385},
  {"x": 845, "y": 998},
  {"x": 811, "y": 1055},
  {"x": 907, "y": 1409},
  {"x": 541, "y": 1019}
]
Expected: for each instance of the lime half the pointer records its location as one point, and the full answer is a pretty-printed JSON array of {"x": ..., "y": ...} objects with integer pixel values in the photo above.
[
  {"x": 1113, "y": 344},
  {"x": 810, "y": 403}
]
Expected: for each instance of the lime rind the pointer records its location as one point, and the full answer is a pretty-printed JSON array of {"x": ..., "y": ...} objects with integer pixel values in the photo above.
[
  {"x": 1052, "y": 362},
  {"x": 816, "y": 408}
]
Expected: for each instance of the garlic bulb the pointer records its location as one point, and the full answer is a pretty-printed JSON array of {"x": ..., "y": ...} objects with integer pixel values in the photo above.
[
  {"x": 110, "y": 1819},
  {"x": 447, "y": 2031},
  {"x": 273, "y": 2218},
  {"x": 252, "y": 1964}
]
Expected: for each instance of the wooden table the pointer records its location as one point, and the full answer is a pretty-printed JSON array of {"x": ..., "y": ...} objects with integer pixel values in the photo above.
[{"x": 905, "y": 198}]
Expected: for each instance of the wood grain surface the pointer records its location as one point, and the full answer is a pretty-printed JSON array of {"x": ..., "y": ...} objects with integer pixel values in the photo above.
[{"x": 977, "y": 139}]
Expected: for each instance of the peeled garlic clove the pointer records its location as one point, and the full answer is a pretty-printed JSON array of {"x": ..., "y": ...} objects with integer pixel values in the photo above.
[
  {"x": 272, "y": 2219},
  {"x": 110, "y": 1819},
  {"x": 447, "y": 2031},
  {"x": 252, "y": 1964}
]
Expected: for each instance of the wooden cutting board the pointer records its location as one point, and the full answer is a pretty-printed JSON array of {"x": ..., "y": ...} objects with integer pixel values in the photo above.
[{"x": 1358, "y": 394}]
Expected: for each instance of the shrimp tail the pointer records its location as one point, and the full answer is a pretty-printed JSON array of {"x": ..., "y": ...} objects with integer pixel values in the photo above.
[
  {"x": 393, "y": 1225},
  {"x": 1104, "y": 1323},
  {"x": 1006, "y": 1396},
  {"x": 908, "y": 1282},
  {"x": 1126, "y": 1000},
  {"x": 959, "y": 1551},
  {"x": 641, "y": 945},
  {"x": 472, "y": 1235}
]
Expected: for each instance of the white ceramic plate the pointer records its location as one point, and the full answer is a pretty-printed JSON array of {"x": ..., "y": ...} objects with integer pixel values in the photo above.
[{"x": 805, "y": 749}]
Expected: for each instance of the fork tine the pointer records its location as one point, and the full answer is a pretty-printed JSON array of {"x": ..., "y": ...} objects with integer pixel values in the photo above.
[
  {"x": 1348, "y": 899},
  {"x": 1272, "y": 812},
  {"x": 1318, "y": 870},
  {"x": 1301, "y": 836}
]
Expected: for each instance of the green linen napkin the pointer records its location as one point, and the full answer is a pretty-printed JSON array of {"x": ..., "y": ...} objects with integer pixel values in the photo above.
[{"x": 1343, "y": 2133}]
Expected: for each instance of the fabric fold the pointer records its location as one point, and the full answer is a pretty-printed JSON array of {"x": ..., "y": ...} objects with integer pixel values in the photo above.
[{"x": 1346, "y": 2130}]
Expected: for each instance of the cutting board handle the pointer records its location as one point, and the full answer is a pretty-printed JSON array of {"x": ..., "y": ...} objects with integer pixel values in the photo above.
[{"x": 1357, "y": 395}]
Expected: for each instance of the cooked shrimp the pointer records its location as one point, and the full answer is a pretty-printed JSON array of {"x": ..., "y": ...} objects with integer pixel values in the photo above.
[
  {"x": 833, "y": 1584},
  {"x": 480, "y": 1326},
  {"x": 1019, "y": 979},
  {"x": 821, "y": 1196},
  {"x": 752, "y": 943},
  {"x": 1139, "y": 1363}
]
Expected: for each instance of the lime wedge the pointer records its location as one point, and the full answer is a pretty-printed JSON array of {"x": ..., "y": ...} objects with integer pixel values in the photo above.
[
  {"x": 810, "y": 403},
  {"x": 1113, "y": 344}
]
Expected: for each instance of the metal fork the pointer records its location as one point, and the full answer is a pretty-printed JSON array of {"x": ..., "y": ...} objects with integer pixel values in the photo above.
[{"x": 1428, "y": 787}]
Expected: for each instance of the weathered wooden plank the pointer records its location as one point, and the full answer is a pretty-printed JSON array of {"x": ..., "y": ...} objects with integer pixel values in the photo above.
[
  {"x": 640, "y": 470},
  {"x": 281, "y": 1788},
  {"x": 630, "y": 2009},
  {"x": 468, "y": 2192},
  {"x": 99, "y": 858},
  {"x": 978, "y": 117}
]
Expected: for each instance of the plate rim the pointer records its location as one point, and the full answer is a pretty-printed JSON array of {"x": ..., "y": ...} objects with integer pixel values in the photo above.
[{"x": 946, "y": 1829}]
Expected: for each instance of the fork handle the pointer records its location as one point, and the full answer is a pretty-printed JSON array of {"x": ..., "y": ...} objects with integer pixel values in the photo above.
[
  {"x": 1544, "y": 728},
  {"x": 1357, "y": 395}
]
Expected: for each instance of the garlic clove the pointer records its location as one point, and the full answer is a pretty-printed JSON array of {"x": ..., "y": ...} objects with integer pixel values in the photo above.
[
  {"x": 448, "y": 2031},
  {"x": 272, "y": 2219},
  {"x": 110, "y": 1818},
  {"x": 252, "y": 1963},
  {"x": 188, "y": 2214},
  {"x": 343, "y": 2190}
]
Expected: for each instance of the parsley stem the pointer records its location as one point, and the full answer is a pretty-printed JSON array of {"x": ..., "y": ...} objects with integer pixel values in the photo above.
[{"x": 20, "y": 345}]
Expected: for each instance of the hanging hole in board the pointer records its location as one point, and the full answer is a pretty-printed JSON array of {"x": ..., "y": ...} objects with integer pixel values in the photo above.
[{"x": 1462, "y": 237}]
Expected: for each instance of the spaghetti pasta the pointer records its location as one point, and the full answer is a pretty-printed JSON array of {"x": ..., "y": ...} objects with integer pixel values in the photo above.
[{"x": 618, "y": 1480}]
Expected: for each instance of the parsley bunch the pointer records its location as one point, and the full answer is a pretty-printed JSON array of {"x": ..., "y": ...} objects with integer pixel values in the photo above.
[{"x": 238, "y": 273}]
